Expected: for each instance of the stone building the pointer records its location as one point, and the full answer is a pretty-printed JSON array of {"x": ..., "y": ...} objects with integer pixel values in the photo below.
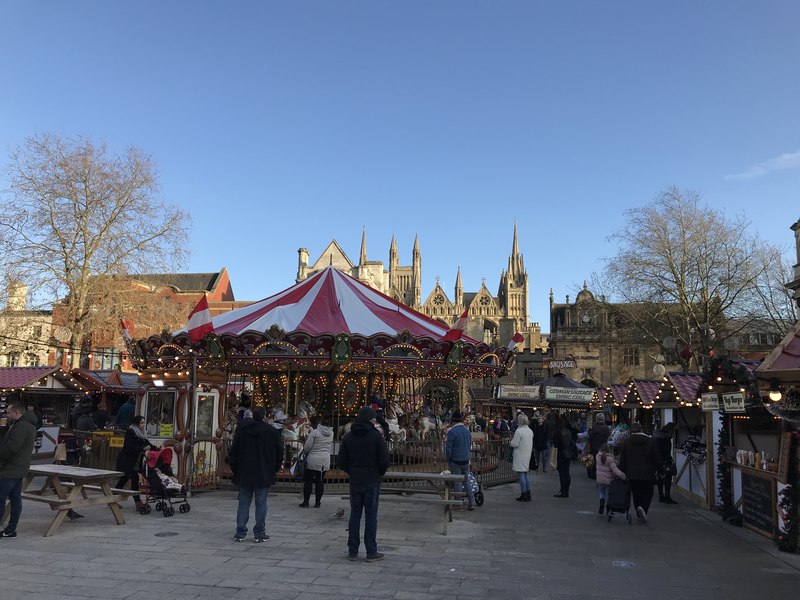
[
  {"x": 493, "y": 318},
  {"x": 24, "y": 333},
  {"x": 794, "y": 285}
]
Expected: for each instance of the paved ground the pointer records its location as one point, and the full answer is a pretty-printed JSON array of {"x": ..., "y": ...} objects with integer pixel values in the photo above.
[{"x": 550, "y": 548}]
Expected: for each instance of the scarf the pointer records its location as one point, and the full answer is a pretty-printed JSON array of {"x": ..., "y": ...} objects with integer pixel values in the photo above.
[{"x": 138, "y": 433}]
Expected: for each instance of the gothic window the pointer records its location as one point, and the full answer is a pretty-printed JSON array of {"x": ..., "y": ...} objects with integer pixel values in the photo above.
[
  {"x": 438, "y": 300},
  {"x": 484, "y": 301},
  {"x": 630, "y": 357}
]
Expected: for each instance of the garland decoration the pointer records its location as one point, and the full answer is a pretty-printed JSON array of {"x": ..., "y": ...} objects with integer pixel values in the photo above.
[
  {"x": 788, "y": 503},
  {"x": 727, "y": 509}
]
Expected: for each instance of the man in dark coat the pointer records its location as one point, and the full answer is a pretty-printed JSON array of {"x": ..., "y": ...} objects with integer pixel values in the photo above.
[
  {"x": 126, "y": 412},
  {"x": 15, "y": 460},
  {"x": 663, "y": 440},
  {"x": 640, "y": 461},
  {"x": 363, "y": 455},
  {"x": 256, "y": 456},
  {"x": 598, "y": 435}
]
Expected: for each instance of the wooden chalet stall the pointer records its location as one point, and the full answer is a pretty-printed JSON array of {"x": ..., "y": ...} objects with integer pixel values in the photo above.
[
  {"x": 778, "y": 377},
  {"x": 327, "y": 345},
  {"x": 677, "y": 401}
]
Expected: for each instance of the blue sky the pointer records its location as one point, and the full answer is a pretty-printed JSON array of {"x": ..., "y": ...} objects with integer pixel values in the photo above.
[{"x": 286, "y": 124}]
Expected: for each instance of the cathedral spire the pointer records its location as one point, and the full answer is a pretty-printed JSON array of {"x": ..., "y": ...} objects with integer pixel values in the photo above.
[
  {"x": 515, "y": 244},
  {"x": 459, "y": 295},
  {"x": 416, "y": 265},
  {"x": 363, "y": 259}
]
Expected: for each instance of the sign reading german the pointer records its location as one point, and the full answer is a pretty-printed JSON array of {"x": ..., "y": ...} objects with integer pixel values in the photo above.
[
  {"x": 733, "y": 402},
  {"x": 517, "y": 392},
  {"x": 565, "y": 394}
]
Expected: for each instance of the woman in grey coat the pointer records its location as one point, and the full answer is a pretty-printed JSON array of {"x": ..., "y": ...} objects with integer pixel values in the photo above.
[{"x": 318, "y": 449}]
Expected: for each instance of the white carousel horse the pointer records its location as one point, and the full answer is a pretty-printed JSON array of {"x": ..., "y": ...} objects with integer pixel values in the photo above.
[
  {"x": 427, "y": 426},
  {"x": 397, "y": 433},
  {"x": 395, "y": 411},
  {"x": 305, "y": 409}
]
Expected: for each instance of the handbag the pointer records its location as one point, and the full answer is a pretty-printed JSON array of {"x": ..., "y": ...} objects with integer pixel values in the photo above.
[
  {"x": 672, "y": 469},
  {"x": 509, "y": 457},
  {"x": 534, "y": 464},
  {"x": 299, "y": 467}
]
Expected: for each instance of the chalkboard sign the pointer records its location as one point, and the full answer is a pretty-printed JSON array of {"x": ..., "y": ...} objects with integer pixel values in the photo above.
[
  {"x": 783, "y": 459},
  {"x": 758, "y": 503}
]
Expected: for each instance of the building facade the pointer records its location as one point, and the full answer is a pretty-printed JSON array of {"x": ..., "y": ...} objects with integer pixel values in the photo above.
[{"x": 492, "y": 318}]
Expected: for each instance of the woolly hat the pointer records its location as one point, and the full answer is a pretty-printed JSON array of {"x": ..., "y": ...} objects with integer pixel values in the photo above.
[
  {"x": 456, "y": 416},
  {"x": 366, "y": 413}
]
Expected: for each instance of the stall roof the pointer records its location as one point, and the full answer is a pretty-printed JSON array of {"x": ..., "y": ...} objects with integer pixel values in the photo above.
[
  {"x": 783, "y": 363},
  {"x": 644, "y": 391},
  {"x": 618, "y": 393},
  {"x": 112, "y": 380},
  {"x": 679, "y": 389},
  {"x": 30, "y": 378}
]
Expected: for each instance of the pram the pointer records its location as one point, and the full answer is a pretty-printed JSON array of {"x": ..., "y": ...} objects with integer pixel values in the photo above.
[
  {"x": 619, "y": 500},
  {"x": 159, "y": 485},
  {"x": 475, "y": 487}
]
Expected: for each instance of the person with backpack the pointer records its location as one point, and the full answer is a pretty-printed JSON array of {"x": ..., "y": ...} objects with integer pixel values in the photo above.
[{"x": 566, "y": 451}]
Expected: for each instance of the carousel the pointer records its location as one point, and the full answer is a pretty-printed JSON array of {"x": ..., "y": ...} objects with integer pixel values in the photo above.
[{"x": 327, "y": 346}]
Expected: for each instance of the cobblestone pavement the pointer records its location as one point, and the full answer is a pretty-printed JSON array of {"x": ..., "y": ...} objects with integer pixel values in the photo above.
[{"x": 549, "y": 548}]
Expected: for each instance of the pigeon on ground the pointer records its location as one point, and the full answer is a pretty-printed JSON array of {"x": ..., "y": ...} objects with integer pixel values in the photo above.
[{"x": 338, "y": 514}]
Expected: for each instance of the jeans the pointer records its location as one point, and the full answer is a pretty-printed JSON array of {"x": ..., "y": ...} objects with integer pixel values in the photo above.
[
  {"x": 544, "y": 456},
  {"x": 602, "y": 491},
  {"x": 458, "y": 487},
  {"x": 563, "y": 474},
  {"x": 11, "y": 489},
  {"x": 243, "y": 513},
  {"x": 524, "y": 482},
  {"x": 363, "y": 498}
]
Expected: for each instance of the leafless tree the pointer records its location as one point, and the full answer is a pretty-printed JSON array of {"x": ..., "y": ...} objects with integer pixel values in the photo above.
[
  {"x": 691, "y": 275},
  {"x": 77, "y": 215}
]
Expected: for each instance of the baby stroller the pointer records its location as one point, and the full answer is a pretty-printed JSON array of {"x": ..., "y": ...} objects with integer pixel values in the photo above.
[
  {"x": 475, "y": 487},
  {"x": 619, "y": 500},
  {"x": 160, "y": 486}
]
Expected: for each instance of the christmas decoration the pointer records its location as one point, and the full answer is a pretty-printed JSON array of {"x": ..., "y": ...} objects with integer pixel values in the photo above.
[
  {"x": 727, "y": 510},
  {"x": 789, "y": 533}
]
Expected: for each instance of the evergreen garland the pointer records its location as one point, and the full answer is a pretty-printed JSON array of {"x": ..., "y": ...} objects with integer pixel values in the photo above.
[
  {"x": 727, "y": 509},
  {"x": 788, "y": 502}
]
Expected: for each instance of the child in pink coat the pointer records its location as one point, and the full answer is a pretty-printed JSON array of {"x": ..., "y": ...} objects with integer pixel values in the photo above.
[{"x": 607, "y": 470}]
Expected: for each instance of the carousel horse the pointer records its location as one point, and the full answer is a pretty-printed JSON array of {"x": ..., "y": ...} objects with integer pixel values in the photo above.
[
  {"x": 397, "y": 433},
  {"x": 427, "y": 426},
  {"x": 305, "y": 409},
  {"x": 344, "y": 429}
]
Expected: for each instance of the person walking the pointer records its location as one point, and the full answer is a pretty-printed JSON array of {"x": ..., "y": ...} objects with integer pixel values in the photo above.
[
  {"x": 540, "y": 442},
  {"x": 522, "y": 443},
  {"x": 566, "y": 451},
  {"x": 317, "y": 447},
  {"x": 129, "y": 459},
  {"x": 458, "y": 450},
  {"x": 640, "y": 460},
  {"x": 607, "y": 470},
  {"x": 363, "y": 455},
  {"x": 597, "y": 436},
  {"x": 663, "y": 440},
  {"x": 15, "y": 460},
  {"x": 256, "y": 456}
]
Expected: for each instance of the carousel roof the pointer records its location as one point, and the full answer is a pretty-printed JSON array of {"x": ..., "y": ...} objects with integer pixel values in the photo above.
[{"x": 330, "y": 302}]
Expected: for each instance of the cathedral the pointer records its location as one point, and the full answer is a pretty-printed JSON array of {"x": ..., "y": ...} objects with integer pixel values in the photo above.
[{"x": 493, "y": 318}]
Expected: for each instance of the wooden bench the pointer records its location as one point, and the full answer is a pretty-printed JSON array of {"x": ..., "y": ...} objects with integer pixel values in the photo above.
[
  {"x": 53, "y": 501},
  {"x": 96, "y": 488}
]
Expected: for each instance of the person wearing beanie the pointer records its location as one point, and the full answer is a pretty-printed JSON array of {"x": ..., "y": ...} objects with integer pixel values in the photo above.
[
  {"x": 363, "y": 455},
  {"x": 458, "y": 450}
]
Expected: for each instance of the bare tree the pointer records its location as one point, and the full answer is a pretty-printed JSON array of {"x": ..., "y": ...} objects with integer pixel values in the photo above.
[
  {"x": 79, "y": 215},
  {"x": 689, "y": 274}
]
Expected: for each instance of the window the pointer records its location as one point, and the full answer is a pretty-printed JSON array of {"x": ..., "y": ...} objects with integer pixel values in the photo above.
[
  {"x": 631, "y": 356},
  {"x": 160, "y": 413},
  {"x": 32, "y": 359},
  {"x": 204, "y": 421},
  {"x": 106, "y": 358},
  {"x": 37, "y": 332},
  {"x": 12, "y": 359}
]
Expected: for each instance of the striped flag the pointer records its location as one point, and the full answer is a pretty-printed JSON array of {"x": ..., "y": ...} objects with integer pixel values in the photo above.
[
  {"x": 517, "y": 339},
  {"x": 200, "y": 321},
  {"x": 126, "y": 327},
  {"x": 456, "y": 331}
]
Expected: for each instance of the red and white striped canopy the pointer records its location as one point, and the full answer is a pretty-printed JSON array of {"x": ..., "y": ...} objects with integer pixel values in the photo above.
[{"x": 330, "y": 302}]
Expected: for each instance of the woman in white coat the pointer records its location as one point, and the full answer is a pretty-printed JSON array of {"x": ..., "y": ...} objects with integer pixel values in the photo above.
[
  {"x": 522, "y": 443},
  {"x": 318, "y": 449}
]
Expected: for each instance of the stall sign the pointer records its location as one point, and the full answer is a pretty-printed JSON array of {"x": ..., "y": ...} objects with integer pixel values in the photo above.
[
  {"x": 733, "y": 402},
  {"x": 710, "y": 401},
  {"x": 116, "y": 442},
  {"x": 565, "y": 394},
  {"x": 518, "y": 392},
  {"x": 166, "y": 430},
  {"x": 561, "y": 364}
]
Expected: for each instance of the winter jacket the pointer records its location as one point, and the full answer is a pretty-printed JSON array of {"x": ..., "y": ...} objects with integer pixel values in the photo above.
[
  {"x": 363, "y": 454},
  {"x": 100, "y": 417},
  {"x": 17, "y": 447},
  {"x": 85, "y": 423},
  {"x": 318, "y": 448},
  {"x": 607, "y": 472},
  {"x": 639, "y": 458},
  {"x": 522, "y": 443},
  {"x": 130, "y": 457},
  {"x": 598, "y": 435},
  {"x": 125, "y": 414},
  {"x": 256, "y": 455},
  {"x": 663, "y": 441},
  {"x": 564, "y": 440},
  {"x": 540, "y": 437},
  {"x": 458, "y": 447}
]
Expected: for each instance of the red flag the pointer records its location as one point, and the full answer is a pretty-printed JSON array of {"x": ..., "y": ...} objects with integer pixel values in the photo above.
[
  {"x": 126, "y": 327},
  {"x": 200, "y": 321},
  {"x": 456, "y": 331},
  {"x": 517, "y": 339}
]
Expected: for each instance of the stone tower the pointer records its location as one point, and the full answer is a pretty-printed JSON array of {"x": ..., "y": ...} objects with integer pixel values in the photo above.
[
  {"x": 416, "y": 265},
  {"x": 513, "y": 290}
]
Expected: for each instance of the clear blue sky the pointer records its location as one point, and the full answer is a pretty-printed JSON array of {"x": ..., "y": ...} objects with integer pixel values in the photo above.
[{"x": 286, "y": 124}]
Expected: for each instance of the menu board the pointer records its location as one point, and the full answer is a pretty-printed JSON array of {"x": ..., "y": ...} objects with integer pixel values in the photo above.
[
  {"x": 783, "y": 459},
  {"x": 758, "y": 503}
]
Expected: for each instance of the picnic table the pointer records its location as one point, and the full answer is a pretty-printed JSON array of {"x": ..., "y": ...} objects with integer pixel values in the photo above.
[
  {"x": 439, "y": 484},
  {"x": 65, "y": 488}
]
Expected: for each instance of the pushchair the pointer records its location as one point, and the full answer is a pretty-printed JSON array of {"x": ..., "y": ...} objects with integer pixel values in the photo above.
[
  {"x": 159, "y": 485},
  {"x": 475, "y": 487}
]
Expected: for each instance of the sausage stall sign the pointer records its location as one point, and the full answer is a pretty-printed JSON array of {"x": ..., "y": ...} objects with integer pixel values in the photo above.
[{"x": 517, "y": 392}]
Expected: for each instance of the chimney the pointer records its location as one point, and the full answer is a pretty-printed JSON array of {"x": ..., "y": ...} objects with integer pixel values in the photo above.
[{"x": 17, "y": 296}]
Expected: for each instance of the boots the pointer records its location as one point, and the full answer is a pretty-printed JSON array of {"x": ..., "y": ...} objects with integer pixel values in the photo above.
[
  {"x": 521, "y": 497},
  {"x": 602, "y": 507},
  {"x": 527, "y": 496}
]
